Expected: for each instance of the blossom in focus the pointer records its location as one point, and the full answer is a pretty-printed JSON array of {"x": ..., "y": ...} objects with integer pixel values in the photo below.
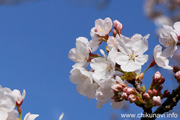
[
  {"x": 103, "y": 27},
  {"x": 18, "y": 97},
  {"x": 161, "y": 58},
  {"x": 13, "y": 115},
  {"x": 83, "y": 79},
  {"x": 156, "y": 101},
  {"x": 131, "y": 56},
  {"x": 105, "y": 92},
  {"x": 80, "y": 54},
  {"x": 177, "y": 27},
  {"x": 104, "y": 67},
  {"x": 112, "y": 42},
  {"x": 168, "y": 38},
  {"x": 7, "y": 102},
  {"x": 30, "y": 116}
]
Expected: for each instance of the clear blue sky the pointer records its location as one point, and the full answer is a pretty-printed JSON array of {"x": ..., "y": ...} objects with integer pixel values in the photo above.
[{"x": 35, "y": 38}]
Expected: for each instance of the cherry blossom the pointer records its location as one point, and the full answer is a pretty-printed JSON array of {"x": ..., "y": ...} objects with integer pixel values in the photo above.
[
  {"x": 161, "y": 58},
  {"x": 85, "y": 84},
  {"x": 168, "y": 38},
  {"x": 30, "y": 116},
  {"x": 18, "y": 97},
  {"x": 103, "y": 27},
  {"x": 131, "y": 56},
  {"x": 103, "y": 67},
  {"x": 80, "y": 54},
  {"x": 7, "y": 102}
]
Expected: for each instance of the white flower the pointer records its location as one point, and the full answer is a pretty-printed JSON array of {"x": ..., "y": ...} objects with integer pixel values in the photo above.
[
  {"x": 61, "y": 116},
  {"x": 161, "y": 58},
  {"x": 80, "y": 54},
  {"x": 18, "y": 97},
  {"x": 7, "y": 102},
  {"x": 103, "y": 27},
  {"x": 168, "y": 39},
  {"x": 112, "y": 42},
  {"x": 105, "y": 92},
  {"x": 83, "y": 79},
  {"x": 131, "y": 56},
  {"x": 103, "y": 67},
  {"x": 30, "y": 116},
  {"x": 13, "y": 115},
  {"x": 177, "y": 27}
]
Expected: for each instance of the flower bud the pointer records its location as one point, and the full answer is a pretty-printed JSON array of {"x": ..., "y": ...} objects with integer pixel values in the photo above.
[
  {"x": 118, "y": 26},
  {"x": 114, "y": 33},
  {"x": 146, "y": 96},
  {"x": 175, "y": 69},
  {"x": 150, "y": 92},
  {"x": 178, "y": 37},
  {"x": 132, "y": 98},
  {"x": 157, "y": 76},
  {"x": 124, "y": 95},
  {"x": 125, "y": 89},
  {"x": 155, "y": 92},
  {"x": 161, "y": 81},
  {"x": 116, "y": 87},
  {"x": 130, "y": 90},
  {"x": 160, "y": 88},
  {"x": 177, "y": 76},
  {"x": 166, "y": 94},
  {"x": 156, "y": 101}
]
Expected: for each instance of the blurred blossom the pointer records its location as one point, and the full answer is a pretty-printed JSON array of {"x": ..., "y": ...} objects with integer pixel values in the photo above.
[
  {"x": 99, "y": 4},
  {"x": 5, "y": 2}
]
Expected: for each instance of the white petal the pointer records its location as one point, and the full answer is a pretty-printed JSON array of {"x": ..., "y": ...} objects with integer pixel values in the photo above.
[
  {"x": 141, "y": 59},
  {"x": 61, "y": 116},
  {"x": 30, "y": 116}
]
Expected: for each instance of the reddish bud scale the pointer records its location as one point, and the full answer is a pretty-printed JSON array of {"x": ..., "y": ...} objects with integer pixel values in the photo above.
[
  {"x": 175, "y": 69},
  {"x": 178, "y": 37},
  {"x": 152, "y": 64},
  {"x": 165, "y": 94}
]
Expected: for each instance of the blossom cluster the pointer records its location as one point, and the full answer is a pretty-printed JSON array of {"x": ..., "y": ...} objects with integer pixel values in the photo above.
[
  {"x": 107, "y": 76},
  {"x": 9, "y": 100}
]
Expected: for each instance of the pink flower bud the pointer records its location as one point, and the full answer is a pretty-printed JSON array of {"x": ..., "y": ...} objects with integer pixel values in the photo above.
[
  {"x": 156, "y": 101},
  {"x": 125, "y": 89},
  {"x": 132, "y": 98},
  {"x": 177, "y": 75},
  {"x": 178, "y": 37},
  {"x": 161, "y": 81},
  {"x": 130, "y": 90},
  {"x": 124, "y": 95},
  {"x": 118, "y": 26},
  {"x": 157, "y": 76},
  {"x": 114, "y": 33},
  {"x": 150, "y": 92},
  {"x": 160, "y": 88},
  {"x": 146, "y": 96},
  {"x": 116, "y": 87},
  {"x": 155, "y": 92}
]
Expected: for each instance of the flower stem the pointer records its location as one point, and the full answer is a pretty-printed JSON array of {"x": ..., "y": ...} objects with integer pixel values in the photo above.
[{"x": 20, "y": 116}]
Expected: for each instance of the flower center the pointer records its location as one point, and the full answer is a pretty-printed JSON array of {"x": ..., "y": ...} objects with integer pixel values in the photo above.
[
  {"x": 100, "y": 29},
  {"x": 132, "y": 57}
]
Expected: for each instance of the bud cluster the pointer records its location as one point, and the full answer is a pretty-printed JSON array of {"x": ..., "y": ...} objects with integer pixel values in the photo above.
[{"x": 123, "y": 92}]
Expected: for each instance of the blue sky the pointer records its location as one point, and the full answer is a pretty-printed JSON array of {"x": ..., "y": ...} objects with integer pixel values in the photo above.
[{"x": 35, "y": 38}]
